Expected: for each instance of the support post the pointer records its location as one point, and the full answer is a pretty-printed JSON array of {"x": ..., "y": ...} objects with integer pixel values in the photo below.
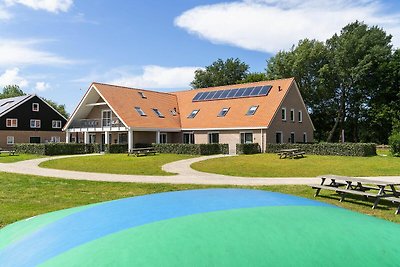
[
  {"x": 107, "y": 138},
  {"x": 130, "y": 139},
  {"x": 67, "y": 136},
  {"x": 86, "y": 138},
  {"x": 157, "y": 137}
]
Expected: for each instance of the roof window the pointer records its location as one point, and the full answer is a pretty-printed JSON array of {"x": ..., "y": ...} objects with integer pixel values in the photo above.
[
  {"x": 140, "y": 111},
  {"x": 252, "y": 110},
  {"x": 193, "y": 114},
  {"x": 158, "y": 113},
  {"x": 173, "y": 112},
  {"x": 223, "y": 112},
  {"x": 142, "y": 95}
]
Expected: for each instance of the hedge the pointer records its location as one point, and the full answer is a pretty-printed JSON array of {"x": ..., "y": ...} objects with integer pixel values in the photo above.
[
  {"x": 192, "y": 149},
  {"x": 394, "y": 142},
  {"x": 51, "y": 149},
  {"x": 252, "y": 148},
  {"x": 336, "y": 149}
]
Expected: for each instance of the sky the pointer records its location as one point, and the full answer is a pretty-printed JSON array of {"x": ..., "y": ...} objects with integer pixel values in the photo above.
[{"x": 57, "y": 48}]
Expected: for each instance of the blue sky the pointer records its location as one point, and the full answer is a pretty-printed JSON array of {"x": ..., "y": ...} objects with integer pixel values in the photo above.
[{"x": 56, "y": 48}]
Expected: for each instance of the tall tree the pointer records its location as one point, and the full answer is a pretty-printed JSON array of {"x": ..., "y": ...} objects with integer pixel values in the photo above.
[
  {"x": 220, "y": 72},
  {"x": 59, "y": 107}
]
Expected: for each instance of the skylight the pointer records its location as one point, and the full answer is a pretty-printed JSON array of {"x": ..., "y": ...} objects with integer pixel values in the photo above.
[
  {"x": 142, "y": 95},
  {"x": 6, "y": 103},
  {"x": 193, "y": 114},
  {"x": 140, "y": 111},
  {"x": 252, "y": 110},
  {"x": 158, "y": 113},
  {"x": 223, "y": 112}
]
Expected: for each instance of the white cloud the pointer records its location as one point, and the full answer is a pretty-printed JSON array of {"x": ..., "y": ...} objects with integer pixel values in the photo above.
[
  {"x": 4, "y": 14},
  {"x": 273, "y": 25},
  {"x": 12, "y": 77},
  {"x": 154, "y": 77},
  {"x": 53, "y": 6},
  {"x": 23, "y": 52},
  {"x": 42, "y": 86}
]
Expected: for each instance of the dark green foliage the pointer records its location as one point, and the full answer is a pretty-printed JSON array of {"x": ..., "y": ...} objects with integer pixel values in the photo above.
[
  {"x": 192, "y": 149},
  {"x": 394, "y": 142},
  {"x": 11, "y": 91},
  {"x": 117, "y": 148},
  {"x": 334, "y": 149},
  {"x": 59, "y": 107},
  {"x": 253, "y": 148},
  {"x": 142, "y": 145},
  {"x": 51, "y": 149}
]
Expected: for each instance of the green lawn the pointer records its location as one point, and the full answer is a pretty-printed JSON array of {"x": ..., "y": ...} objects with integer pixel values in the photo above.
[
  {"x": 116, "y": 163},
  {"x": 6, "y": 158},
  {"x": 24, "y": 196},
  {"x": 269, "y": 165}
]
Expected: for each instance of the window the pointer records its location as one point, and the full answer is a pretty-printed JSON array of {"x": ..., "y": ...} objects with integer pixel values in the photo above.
[
  {"x": 300, "y": 116},
  {"x": 193, "y": 114},
  {"x": 11, "y": 122},
  {"x": 163, "y": 138},
  {"x": 55, "y": 139},
  {"x": 278, "y": 137},
  {"x": 35, "y": 123},
  {"x": 304, "y": 137},
  {"x": 122, "y": 138},
  {"x": 188, "y": 138},
  {"x": 252, "y": 110},
  {"x": 213, "y": 138},
  {"x": 158, "y": 113},
  {"x": 34, "y": 140},
  {"x": 223, "y": 112},
  {"x": 56, "y": 124},
  {"x": 10, "y": 140},
  {"x": 35, "y": 106},
  {"x": 292, "y": 115},
  {"x": 142, "y": 95},
  {"x": 284, "y": 114},
  {"x": 292, "y": 137},
  {"x": 246, "y": 138},
  {"x": 92, "y": 138},
  {"x": 106, "y": 118},
  {"x": 140, "y": 111}
]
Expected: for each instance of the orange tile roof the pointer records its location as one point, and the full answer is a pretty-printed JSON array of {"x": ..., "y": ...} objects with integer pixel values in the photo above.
[{"x": 124, "y": 100}]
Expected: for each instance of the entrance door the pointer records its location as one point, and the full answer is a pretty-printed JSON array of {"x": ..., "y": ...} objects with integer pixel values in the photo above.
[
  {"x": 34, "y": 140},
  {"x": 103, "y": 141}
]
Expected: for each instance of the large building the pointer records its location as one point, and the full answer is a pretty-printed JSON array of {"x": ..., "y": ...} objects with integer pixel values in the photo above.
[
  {"x": 29, "y": 119},
  {"x": 262, "y": 112}
]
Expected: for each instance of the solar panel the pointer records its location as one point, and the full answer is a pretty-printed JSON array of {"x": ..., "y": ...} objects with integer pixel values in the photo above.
[
  {"x": 265, "y": 90},
  {"x": 218, "y": 94},
  {"x": 247, "y": 91},
  {"x": 204, "y": 95},
  {"x": 225, "y": 93},
  {"x": 240, "y": 92},
  {"x": 210, "y": 95},
  {"x": 198, "y": 95},
  {"x": 256, "y": 91},
  {"x": 232, "y": 93}
]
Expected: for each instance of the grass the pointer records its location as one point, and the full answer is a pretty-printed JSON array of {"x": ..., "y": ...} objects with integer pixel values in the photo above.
[
  {"x": 269, "y": 165},
  {"x": 24, "y": 196},
  {"x": 116, "y": 163},
  {"x": 6, "y": 158}
]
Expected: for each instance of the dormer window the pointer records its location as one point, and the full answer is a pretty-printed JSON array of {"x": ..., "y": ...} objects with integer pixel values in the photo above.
[
  {"x": 35, "y": 106},
  {"x": 158, "y": 113},
  {"x": 252, "y": 110},
  {"x": 223, "y": 112},
  {"x": 142, "y": 95},
  {"x": 193, "y": 114},
  {"x": 140, "y": 111}
]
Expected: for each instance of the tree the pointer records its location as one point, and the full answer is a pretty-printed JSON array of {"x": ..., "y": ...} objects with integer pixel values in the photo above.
[
  {"x": 255, "y": 77},
  {"x": 11, "y": 91},
  {"x": 221, "y": 72},
  {"x": 59, "y": 107}
]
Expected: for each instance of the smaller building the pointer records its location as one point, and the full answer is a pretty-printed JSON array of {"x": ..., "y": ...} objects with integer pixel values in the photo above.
[{"x": 29, "y": 119}]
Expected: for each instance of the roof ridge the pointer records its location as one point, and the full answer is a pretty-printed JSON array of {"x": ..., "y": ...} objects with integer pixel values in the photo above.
[{"x": 132, "y": 88}]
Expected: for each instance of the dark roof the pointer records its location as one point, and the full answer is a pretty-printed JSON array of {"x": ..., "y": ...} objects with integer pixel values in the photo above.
[{"x": 7, "y": 104}]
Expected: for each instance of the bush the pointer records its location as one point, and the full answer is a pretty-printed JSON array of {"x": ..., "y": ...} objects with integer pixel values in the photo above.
[
  {"x": 116, "y": 148},
  {"x": 252, "y": 148},
  {"x": 335, "y": 149},
  {"x": 51, "y": 149},
  {"x": 192, "y": 149},
  {"x": 394, "y": 142}
]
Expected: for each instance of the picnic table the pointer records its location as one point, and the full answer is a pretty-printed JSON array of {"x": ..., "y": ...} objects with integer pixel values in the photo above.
[
  {"x": 291, "y": 153},
  {"x": 367, "y": 188},
  {"x": 142, "y": 151},
  {"x": 10, "y": 151}
]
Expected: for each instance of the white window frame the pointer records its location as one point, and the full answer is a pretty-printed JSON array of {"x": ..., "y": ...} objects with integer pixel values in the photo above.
[
  {"x": 209, "y": 135},
  {"x": 300, "y": 114},
  {"x": 252, "y": 110},
  {"x": 244, "y": 139},
  {"x": 292, "y": 115},
  {"x": 193, "y": 114},
  {"x": 166, "y": 138},
  {"x": 283, "y": 112},
  {"x": 106, "y": 122},
  {"x": 35, "y": 124},
  {"x": 55, "y": 139},
  {"x": 281, "y": 141},
  {"x": 13, "y": 123},
  {"x": 10, "y": 140},
  {"x": 35, "y": 107},
  {"x": 140, "y": 111},
  {"x": 56, "y": 124},
  {"x": 183, "y": 137},
  {"x": 158, "y": 112}
]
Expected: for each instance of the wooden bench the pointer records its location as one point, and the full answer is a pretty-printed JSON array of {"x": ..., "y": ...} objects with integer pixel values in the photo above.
[
  {"x": 394, "y": 200},
  {"x": 10, "y": 152},
  {"x": 142, "y": 151},
  {"x": 293, "y": 153}
]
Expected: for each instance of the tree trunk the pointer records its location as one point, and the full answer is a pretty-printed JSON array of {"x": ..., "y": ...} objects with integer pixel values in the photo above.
[{"x": 340, "y": 117}]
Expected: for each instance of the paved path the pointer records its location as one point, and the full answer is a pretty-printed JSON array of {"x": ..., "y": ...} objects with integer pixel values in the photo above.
[{"x": 185, "y": 175}]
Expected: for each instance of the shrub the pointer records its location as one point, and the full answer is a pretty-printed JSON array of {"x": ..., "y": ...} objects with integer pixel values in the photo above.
[
  {"x": 394, "y": 142},
  {"x": 51, "y": 149},
  {"x": 336, "y": 149},
  {"x": 116, "y": 148},
  {"x": 192, "y": 149},
  {"x": 252, "y": 148}
]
